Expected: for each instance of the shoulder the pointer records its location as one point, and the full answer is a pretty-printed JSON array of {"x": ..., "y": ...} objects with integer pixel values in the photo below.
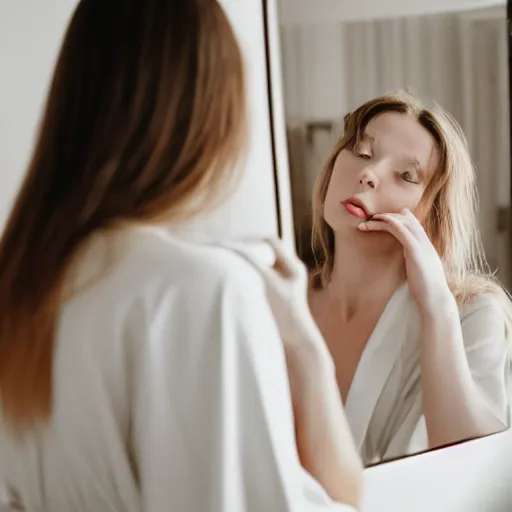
[
  {"x": 486, "y": 319},
  {"x": 483, "y": 296},
  {"x": 485, "y": 306},
  {"x": 162, "y": 263},
  {"x": 206, "y": 294}
]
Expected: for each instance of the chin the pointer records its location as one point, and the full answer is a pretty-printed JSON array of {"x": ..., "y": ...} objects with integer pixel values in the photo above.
[
  {"x": 344, "y": 223},
  {"x": 346, "y": 229},
  {"x": 349, "y": 230}
]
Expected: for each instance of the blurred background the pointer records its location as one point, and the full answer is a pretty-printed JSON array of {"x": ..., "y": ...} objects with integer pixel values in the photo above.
[{"x": 338, "y": 54}]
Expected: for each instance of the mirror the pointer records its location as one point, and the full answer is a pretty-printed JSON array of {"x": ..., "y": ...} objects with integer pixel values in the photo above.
[{"x": 416, "y": 373}]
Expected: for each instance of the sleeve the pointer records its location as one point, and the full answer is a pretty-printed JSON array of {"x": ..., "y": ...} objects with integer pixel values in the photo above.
[
  {"x": 487, "y": 349},
  {"x": 213, "y": 428}
]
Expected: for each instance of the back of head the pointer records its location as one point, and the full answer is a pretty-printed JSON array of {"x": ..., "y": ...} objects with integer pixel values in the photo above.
[{"x": 144, "y": 121}]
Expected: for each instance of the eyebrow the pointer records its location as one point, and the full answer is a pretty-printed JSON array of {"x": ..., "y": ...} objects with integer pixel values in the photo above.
[
  {"x": 419, "y": 169},
  {"x": 366, "y": 137}
]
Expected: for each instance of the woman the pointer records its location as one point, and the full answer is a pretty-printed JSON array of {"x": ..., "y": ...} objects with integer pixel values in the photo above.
[
  {"x": 139, "y": 371},
  {"x": 400, "y": 289}
]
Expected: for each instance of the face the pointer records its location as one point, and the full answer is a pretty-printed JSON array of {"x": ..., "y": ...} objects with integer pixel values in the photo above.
[{"x": 385, "y": 174}]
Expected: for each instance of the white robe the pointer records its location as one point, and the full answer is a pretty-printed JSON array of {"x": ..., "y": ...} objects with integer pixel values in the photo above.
[
  {"x": 383, "y": 405},
  {"x": 170, "y": 391}
]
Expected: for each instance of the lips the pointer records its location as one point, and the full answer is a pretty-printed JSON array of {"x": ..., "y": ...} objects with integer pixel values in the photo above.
[{"x": 356, "y": 208}]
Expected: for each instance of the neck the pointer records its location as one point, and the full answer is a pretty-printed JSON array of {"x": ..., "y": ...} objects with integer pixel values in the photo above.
[{"x": 364, "y": 274}]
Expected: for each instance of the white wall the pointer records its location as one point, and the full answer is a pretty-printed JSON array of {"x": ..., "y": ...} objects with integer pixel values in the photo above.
[
  {"x": 252, "y": 212},
  {"x": 30, "y": 36}
]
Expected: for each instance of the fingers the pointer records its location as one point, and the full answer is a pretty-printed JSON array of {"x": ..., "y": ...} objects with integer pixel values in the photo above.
[
  {"x": 395, "y": 224},
  {"x": 288, "y": 265},
  {"x": 283, "y": 265},
  {"x": 412, "y": 222}
]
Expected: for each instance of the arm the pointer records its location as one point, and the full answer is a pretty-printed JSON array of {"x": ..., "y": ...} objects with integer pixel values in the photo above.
[
  {"x": 454, "y": 405},
  {"x": 213, "y": 418},
  {"x": 325, "y": 444},
  {"x": 463, "y": 371}
]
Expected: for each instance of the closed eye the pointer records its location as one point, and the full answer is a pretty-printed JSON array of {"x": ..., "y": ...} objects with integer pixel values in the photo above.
[
  {"x": 410, "y": 177},
  {"x": 363, "y": 155}
]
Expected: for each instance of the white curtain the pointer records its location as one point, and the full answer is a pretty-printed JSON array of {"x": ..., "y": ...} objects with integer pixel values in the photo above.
[
  {"x": 331, "y": 11},
  {"x": 457, "y": 60}
]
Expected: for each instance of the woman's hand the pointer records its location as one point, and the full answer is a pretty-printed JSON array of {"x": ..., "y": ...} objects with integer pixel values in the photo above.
[
  {"x": 324, "y": 441},
  {"x": 286, "y": 286},
  {"x": 453, "y": 405},
  {"x": 425, "y": 272}
]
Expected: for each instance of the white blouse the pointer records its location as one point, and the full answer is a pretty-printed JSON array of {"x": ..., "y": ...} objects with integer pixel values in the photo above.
[
  {"x": 170, "y": 391},
  {"x": 384, "y": 406}
]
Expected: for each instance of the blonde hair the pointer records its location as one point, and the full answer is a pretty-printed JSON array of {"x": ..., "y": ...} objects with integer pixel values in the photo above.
[{"x": 450, "y": 198}]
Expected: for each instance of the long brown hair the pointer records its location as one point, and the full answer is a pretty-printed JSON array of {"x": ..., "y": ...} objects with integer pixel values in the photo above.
[
  {"x": 450, "y": 199},
  {"x": 145, "y": 114}
]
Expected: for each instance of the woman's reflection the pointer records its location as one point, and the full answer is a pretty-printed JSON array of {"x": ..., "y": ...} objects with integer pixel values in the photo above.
[{"x": 416, "y": 324}]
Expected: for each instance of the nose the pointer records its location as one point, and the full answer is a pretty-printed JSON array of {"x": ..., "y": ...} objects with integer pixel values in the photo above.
[{"x": 368, "y": 179}]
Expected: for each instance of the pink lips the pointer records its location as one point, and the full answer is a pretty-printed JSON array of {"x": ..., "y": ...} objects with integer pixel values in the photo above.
[{"x": 356, "y": 208}]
